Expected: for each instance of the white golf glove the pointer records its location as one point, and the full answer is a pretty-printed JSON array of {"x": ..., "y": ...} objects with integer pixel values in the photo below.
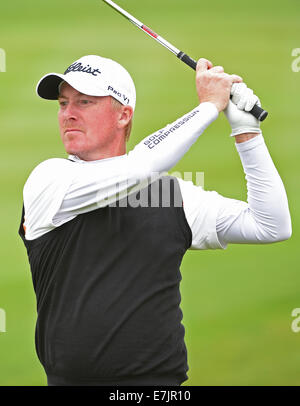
[{"x": 242, "y": 101}]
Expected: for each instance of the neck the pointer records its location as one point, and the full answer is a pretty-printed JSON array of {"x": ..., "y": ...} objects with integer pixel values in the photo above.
[{"x": 96, "y": 156}]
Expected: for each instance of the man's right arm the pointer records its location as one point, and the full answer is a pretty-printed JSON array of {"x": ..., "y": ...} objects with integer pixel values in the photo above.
[
  {"x": 58, "y": 189},
  {"x": 162, "y": 150}
]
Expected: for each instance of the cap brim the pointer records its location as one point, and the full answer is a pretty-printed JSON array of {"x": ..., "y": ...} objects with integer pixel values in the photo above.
[{"x": 48, "y": 86}]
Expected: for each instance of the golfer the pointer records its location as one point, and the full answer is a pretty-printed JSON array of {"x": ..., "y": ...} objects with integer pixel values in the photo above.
[{"x": 106, "y": 231}]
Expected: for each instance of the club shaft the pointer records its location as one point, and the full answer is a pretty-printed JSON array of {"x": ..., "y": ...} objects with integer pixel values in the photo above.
[
  {"x": 143, "y": 27},
  {"x": 257, "y": 111}
]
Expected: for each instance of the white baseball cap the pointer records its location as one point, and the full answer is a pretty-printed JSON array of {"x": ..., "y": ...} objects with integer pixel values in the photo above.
[{"x": 92, "y": 75}]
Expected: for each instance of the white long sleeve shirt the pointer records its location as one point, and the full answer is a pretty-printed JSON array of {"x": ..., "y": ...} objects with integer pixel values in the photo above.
[{"x": 58, "y": 190}]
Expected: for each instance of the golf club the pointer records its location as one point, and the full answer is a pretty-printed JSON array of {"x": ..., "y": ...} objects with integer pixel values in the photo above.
[{"x": 256, "y": 111}]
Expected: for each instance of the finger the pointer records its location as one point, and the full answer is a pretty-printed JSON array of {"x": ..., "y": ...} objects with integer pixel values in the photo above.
[
  {"x": 203, "y": 65},
  {"x": 247, "y": 95},
  {"x": 251, "y": 103},
  {"x": 236, "y": 78},
  {"x": 237, "y": 89},
  {"x": 217, "y": 69}
]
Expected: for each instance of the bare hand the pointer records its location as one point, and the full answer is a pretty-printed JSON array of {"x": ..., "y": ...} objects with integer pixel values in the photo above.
[{"x": 213, "y": 84}]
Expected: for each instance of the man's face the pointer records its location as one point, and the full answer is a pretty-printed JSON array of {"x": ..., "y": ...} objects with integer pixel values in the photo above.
[{"x": 88, "y": 124}]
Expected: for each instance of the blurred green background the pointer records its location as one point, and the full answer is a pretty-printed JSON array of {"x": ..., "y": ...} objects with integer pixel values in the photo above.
[{"x": 237, "y": 303}]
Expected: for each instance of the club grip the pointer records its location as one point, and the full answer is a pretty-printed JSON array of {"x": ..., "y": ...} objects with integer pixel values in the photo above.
[
  {"x": 186, "y": 59},
  {"x": 257, "y": 111}
]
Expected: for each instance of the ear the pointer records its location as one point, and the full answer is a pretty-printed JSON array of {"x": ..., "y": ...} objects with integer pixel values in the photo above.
[{"x": 125, "y": 115}]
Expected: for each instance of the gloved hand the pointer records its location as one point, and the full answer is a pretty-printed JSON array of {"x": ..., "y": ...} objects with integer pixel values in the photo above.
[{"x": 243, "y": 99}]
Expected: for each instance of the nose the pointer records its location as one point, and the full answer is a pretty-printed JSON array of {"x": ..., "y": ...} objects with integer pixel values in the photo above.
[{"x": 70, "y": 112}]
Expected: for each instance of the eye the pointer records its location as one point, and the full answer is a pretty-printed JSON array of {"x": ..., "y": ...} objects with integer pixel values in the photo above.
[
  {"x": 62, "y": 103},
  {"x": 85, "y": 101}
]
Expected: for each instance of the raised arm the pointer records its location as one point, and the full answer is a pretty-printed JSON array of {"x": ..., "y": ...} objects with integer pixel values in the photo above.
[
  {"x": 215, "y": 220},
  {"x": 162, "y": 150},
  {"x": 58, "y": 190}
]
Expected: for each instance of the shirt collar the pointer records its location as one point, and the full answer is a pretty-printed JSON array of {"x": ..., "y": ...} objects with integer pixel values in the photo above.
[{"x": 75, "y": 158}]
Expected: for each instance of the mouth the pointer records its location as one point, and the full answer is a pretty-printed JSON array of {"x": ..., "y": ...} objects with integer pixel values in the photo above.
[{"x": 72, "y": 130}]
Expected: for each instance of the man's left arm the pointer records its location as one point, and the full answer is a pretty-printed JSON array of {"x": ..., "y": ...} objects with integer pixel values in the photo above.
[
  {"x": 215, "y": 220},
  {"x": 266, "y": 218}
]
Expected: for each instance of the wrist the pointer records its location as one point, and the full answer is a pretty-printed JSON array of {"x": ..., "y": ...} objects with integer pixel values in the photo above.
[
  {"x": 245, "y": 137},
  {"x": 212, "y": 107}
]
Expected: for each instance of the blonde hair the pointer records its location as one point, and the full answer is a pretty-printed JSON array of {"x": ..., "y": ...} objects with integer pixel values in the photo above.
[{"x": 117, "y": 105}]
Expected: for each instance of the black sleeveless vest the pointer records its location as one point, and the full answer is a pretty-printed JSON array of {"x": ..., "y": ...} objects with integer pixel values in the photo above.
[{"x": 107, "y": 288}]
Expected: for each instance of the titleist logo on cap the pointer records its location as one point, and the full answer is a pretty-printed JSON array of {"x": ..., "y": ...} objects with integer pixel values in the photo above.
[{"x": 78, "y": 67}]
